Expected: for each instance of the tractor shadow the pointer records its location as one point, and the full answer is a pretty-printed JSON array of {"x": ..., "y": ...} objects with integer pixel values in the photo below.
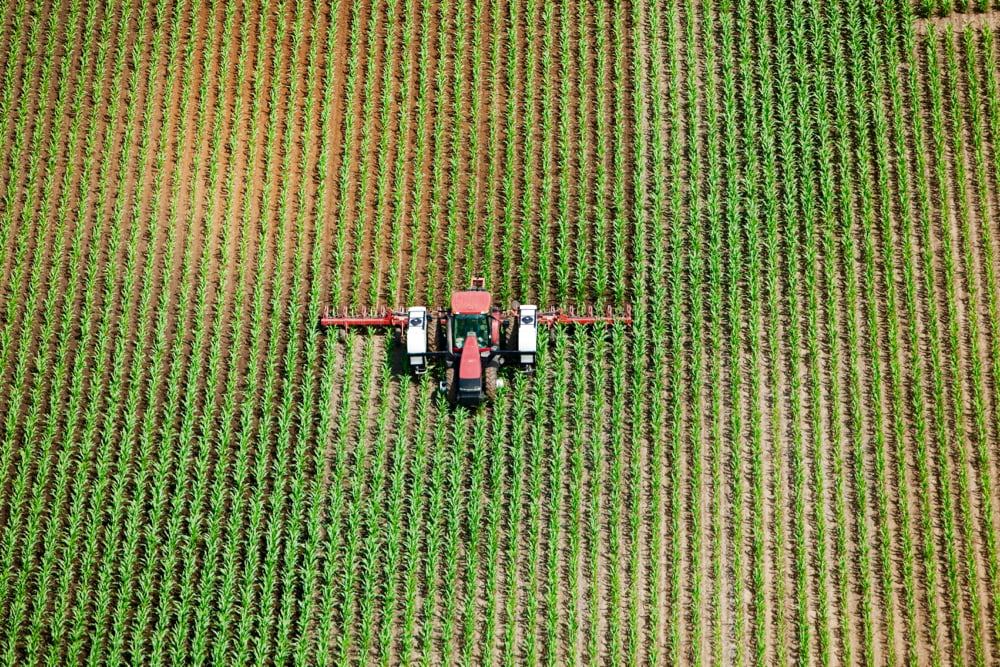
[
  {"x": 398, "y": 365},
  {"x": 395, "y": 356}
]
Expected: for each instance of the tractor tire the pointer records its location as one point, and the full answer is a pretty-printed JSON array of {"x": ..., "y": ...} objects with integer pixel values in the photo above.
[
  {"x": 451, "y": 384},
  {"x": 432, "y": 333},
  {"x": 490, "y": 385},
  {"x": 510, "y": 341}
]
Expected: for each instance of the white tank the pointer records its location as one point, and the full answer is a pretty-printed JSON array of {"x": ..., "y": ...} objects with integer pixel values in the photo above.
[
  {"x": 416, "y": 338},
  {"x": 527, "y": 333}
]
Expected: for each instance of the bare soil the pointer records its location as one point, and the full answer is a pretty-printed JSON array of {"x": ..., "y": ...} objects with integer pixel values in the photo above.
[{"x": 958, "y": 22}]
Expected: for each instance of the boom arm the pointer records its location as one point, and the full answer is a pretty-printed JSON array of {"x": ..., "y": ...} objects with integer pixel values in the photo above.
[
  {"x": 384, "y": 318},
  {"x": 556, "y": 316},
  {"x": 389, "y": 318}
]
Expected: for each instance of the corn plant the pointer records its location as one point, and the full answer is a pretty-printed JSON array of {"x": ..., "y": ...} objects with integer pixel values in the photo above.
[
  {"x": 510, "y": 125},
  {"x": 489, "y": 206},
  {"x": 339, "y": 248},
  {"x": 474, "y": 189},
  {"x": 420, "y": 134},
  {"x": 369, "y": 119},
  {"x": 454, "y": 170},
  {"x": 415, "y": 75}
]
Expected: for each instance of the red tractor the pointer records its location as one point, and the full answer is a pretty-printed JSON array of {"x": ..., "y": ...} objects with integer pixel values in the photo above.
[{"x": 473, "y": 338}]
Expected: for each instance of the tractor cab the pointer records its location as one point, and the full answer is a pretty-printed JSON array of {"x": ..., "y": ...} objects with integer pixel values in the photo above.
[
  {"x": 471, "y": 314},
  {"x": 476, "y": 325}
]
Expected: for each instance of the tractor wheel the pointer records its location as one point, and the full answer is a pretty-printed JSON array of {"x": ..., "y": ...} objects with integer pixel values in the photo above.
[
  {"x": 432, "y": 333},
  {"x": 491, "y": 382},
  {"x": 451, "y": 384},
  {"x": 511, "y": 340}
]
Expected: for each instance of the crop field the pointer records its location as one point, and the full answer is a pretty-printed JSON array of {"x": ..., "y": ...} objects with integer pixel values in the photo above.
[{"x": 792, "y": 456}]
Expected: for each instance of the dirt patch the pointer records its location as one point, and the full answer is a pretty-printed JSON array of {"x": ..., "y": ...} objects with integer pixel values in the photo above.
[{"x": 958, "y": 22}]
